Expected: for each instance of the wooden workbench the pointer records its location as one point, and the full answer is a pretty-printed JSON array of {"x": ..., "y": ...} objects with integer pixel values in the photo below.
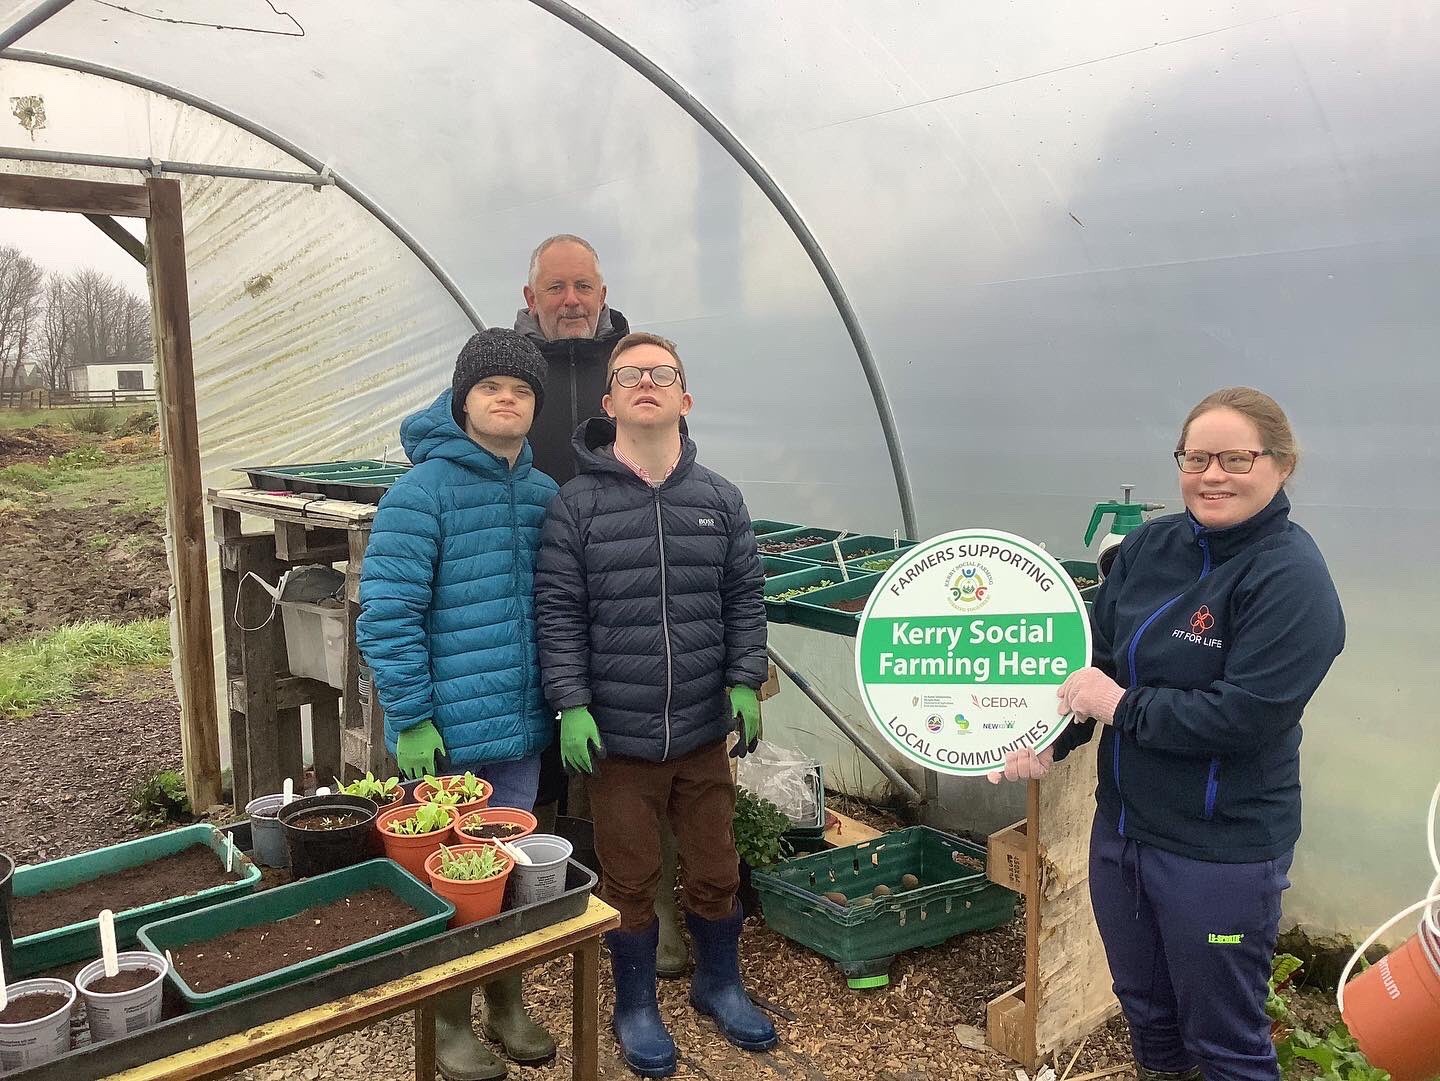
[{"x": 579, "y": 937}]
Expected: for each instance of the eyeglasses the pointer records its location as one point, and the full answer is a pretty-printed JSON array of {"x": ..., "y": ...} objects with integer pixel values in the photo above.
[
  {"x": 662, "y": 375},
  {"x": 1232, "y": 461}
]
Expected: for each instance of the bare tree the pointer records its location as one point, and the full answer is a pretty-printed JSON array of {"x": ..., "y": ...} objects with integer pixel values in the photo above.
[
  {"x": 109, "y": 321},
  {"x": 21, "y": 283},
  {"x": 56, "y": 338}
]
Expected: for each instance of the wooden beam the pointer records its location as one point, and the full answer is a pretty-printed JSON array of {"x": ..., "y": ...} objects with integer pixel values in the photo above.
[
  {"x": 185, "y": 503},
  {"x": 1034, "y": 993},
  {"x": 130, "y": 244},
  {"x": 27, "y": 192}
]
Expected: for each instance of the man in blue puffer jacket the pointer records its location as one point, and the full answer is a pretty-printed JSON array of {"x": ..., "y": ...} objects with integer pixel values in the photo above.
[
  {"x": 652, "y": 640},
  {"x": 447, "y": 624}
]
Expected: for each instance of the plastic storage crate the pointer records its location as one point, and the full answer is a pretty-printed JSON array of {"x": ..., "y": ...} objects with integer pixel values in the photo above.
[
  {"x": 762, "y": 526},
  {"x": 954, "y": 896},
  {"x": 315, "y": 641},
  {"x": 272, "y": 906},
  {"x": 812, "y": 609},
  {"x": 80, "y": 941},
  {"x": 364, "y": 481}
]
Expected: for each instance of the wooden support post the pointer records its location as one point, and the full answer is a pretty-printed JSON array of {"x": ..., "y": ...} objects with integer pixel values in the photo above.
[
  {"x": 1034, "y": 992},
  {"x": 584, "y": 1000},
  {"x": 185, "y": 506}
]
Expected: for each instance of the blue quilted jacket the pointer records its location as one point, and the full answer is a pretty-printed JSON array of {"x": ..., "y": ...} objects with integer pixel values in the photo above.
[{"x": 447, "y": 619}]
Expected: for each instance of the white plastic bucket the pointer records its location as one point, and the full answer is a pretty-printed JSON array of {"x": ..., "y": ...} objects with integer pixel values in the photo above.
[
  {"x": 31, "y": 1043},
  {"x": 114, "y": 1015},
  {"x": 544, "y": 878},
  {"x": 267, "y": 836}
]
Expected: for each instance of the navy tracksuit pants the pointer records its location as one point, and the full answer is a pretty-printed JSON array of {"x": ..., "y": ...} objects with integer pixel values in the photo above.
[{"x": 1189, "y": 945}]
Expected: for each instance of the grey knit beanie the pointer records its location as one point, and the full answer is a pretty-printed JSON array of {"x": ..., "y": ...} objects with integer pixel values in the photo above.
[{"x": 496, "y": 351}]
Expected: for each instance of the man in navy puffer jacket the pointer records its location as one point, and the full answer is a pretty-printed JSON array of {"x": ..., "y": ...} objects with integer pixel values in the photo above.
[
  {"x": 447, "y": 624},
  {"x": 652, "y": 640}
]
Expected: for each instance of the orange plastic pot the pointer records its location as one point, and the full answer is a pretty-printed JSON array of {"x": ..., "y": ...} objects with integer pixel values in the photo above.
[
  {"x": 473, "y": 901},
  {"x": 513, "y": 816},
  {"x": 410, "y": 851},
  {"x": 425, "y": 790}
]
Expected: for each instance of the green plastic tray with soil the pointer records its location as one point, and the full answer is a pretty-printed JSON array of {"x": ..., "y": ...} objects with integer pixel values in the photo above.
[
  {"x": 854, "y": 549},
  {"x": 283, "y": 902},
  {"x": 778, "y": 611},
  {"x": 1078, "y": 569},
  {"x": 77, "y": 941},
  {"x": 953, "y": 896},
  {"x": 778, "y": 565},
  {"x": 363, "y": 481},
  {"x": 786, "y": 541},
  {"x": 813, "y": 609},
  {"x": 872, "y": 564},
  {"x": 764, "y": 526}
]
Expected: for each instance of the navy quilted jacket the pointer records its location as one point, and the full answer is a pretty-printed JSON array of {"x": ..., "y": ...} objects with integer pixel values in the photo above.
[
  {"x": 649, "y": 601},
  {"x": 447, "y": 620}
]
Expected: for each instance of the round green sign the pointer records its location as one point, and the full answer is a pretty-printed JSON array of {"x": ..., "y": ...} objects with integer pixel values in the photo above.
[{"x": 961, "y": 647}]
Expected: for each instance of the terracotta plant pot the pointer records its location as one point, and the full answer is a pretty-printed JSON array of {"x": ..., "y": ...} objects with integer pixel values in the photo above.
[
  {"x": 410, "y": 851},
  {"x": 424, "y": 790},
  {"x": 493, "y": 816},
  {"x": 473, "y": 901}
]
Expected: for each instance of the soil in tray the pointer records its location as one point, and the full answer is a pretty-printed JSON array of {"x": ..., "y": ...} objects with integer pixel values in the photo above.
[
  {"x": 326, "y": 820},
  {"x": 494, "y": 831},
  {"x": 268, "y": 947},
  {"x": 1081, "y": 582},
  {"x": 777, "y": 547},
  {"x": 31, "y": 1007},
  {"x": 127, "y": 979},
  {"x": 179, "y": 875},
  {"x": 853, "y": 604}
]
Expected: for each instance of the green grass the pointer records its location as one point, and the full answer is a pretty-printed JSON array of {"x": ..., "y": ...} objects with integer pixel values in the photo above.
[
  {"x": 65, "y": 418},
  {"x": 51, "y": 668},
  {"x": 86, "y": 477}
]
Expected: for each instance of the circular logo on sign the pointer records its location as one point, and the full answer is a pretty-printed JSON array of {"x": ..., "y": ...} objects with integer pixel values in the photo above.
[{"x": 978, "y": 616}]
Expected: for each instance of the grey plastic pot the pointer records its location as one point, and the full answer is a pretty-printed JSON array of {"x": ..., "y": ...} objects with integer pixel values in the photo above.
[{"x": 267, "y": 836}]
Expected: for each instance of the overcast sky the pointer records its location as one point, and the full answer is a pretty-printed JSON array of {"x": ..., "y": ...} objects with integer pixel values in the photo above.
[{"x": 64, "y": 242}]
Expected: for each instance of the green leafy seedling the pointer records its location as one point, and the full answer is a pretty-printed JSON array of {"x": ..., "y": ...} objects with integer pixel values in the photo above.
[
  {"x": 474, "y": 866},
  {"x": 758, "y": 826},
  {"x": 428, "y": 818},
  {"x": 469, "y": 786},
  {"x": 370, "y": 787}
]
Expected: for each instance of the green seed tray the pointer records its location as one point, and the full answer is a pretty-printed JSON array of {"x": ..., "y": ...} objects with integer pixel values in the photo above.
[
  {"x": 953, "y": 897},
  {"x": 811, "y": 611},
  {"x": 80, "y": 941},
  {"x": 783, "y": 565},
  {"x": 283, "y": 902},
  {"x": 813, "y": 829},
  {"x": 782, "y": 611},
  {"x": 764, "y": 526},
  {"x": 1085, "y": 569},
  {"x": 892, "y": 554},
  {"x": 795, "y": 534},
  {"x": 825, "y": 553},
  {"x": 364, "y": 480}
]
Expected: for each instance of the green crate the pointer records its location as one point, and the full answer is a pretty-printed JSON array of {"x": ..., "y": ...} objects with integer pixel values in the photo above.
[
  {"x": 763, "y": 526},
  {"x": 283, "y": 902},
  {"x": 81, "y": 941},
  {"x": 1088, "y": 570},
  {"x": 953, "y": 897},
  {"x": 781, "y": 611},
  {"x": 825, "y": 553},
  {"x": 795, "y": 534},
  {"x": 811, "y": 611},
  {"x": 892, "y": 554},
  {"x": 782, "y": 565}
]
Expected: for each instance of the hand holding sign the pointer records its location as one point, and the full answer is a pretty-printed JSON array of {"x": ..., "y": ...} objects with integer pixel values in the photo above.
[
  {"x": 1024, "y": 765},
  {"x": 1090, "y": 693}
]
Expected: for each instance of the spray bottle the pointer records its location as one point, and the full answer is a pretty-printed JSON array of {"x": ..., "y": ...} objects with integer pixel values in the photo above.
[{"x": 1128, "y": 516}]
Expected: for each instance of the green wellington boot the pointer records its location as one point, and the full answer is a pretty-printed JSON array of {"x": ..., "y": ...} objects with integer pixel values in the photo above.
[
  {"x": 460, "y": 1054},
  {"x": 507, "y": 1023},
  {"x": 672, "y": 958}
]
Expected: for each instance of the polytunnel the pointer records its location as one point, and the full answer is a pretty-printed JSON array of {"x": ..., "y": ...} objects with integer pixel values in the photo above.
[{"x": 975, "y": 261}]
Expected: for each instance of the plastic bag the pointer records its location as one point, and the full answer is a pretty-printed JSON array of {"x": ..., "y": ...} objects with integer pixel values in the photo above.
[{"x": 783, "y": 776}]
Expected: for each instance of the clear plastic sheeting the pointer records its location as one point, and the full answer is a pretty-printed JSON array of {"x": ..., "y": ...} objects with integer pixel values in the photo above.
[{"x": 1060, "y": 229}]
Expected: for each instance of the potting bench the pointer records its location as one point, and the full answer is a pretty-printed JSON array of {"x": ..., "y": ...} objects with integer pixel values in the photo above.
[
  {"x": 579, "y": 937},
  {"x": 264, "y": 697}
]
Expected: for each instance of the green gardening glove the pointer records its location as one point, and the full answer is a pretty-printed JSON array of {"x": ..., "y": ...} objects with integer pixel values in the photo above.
[
  {"x": 577, "y": 733},
  {"x": 415, "y": 750},
  {"x": 746, "y": 706}
]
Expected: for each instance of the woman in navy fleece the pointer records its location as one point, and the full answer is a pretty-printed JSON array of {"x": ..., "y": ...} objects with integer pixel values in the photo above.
[{"x": 1211, "y": 633}]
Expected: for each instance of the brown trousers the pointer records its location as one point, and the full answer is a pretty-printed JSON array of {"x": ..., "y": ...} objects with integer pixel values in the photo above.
[{"x": 628, "y": 796}]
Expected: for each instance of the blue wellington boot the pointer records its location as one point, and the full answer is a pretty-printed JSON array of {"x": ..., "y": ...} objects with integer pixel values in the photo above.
[
  {"x": 644, "y": 1040},
  {"x": 716, "y": 989}
]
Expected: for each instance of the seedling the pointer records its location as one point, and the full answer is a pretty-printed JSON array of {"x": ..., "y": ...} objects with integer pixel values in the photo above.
[
  {"x": 428, "y": 818},
  {"x": 799, "y": 591},
  {"x": 370, "y": 787},
  {"x": 455, "y": 790},
  {"x": 469, "y": 786},
  {"x": 758, "y": 826},
  {"x": 439, "y": 794},
  {"x": 473, "y": 866}
]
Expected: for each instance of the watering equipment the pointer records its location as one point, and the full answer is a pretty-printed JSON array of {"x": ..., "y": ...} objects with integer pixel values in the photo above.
[{"x": 1128, "y": 516}]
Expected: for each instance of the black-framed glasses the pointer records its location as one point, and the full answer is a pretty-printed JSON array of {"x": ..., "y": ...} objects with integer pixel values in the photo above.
[
  {"x": 1232, "y": 461},
  {"x": 662, "y": 375}
]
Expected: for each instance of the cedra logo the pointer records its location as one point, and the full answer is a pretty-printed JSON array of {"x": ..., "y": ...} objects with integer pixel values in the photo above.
[{"x": 968, "y": 587}]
